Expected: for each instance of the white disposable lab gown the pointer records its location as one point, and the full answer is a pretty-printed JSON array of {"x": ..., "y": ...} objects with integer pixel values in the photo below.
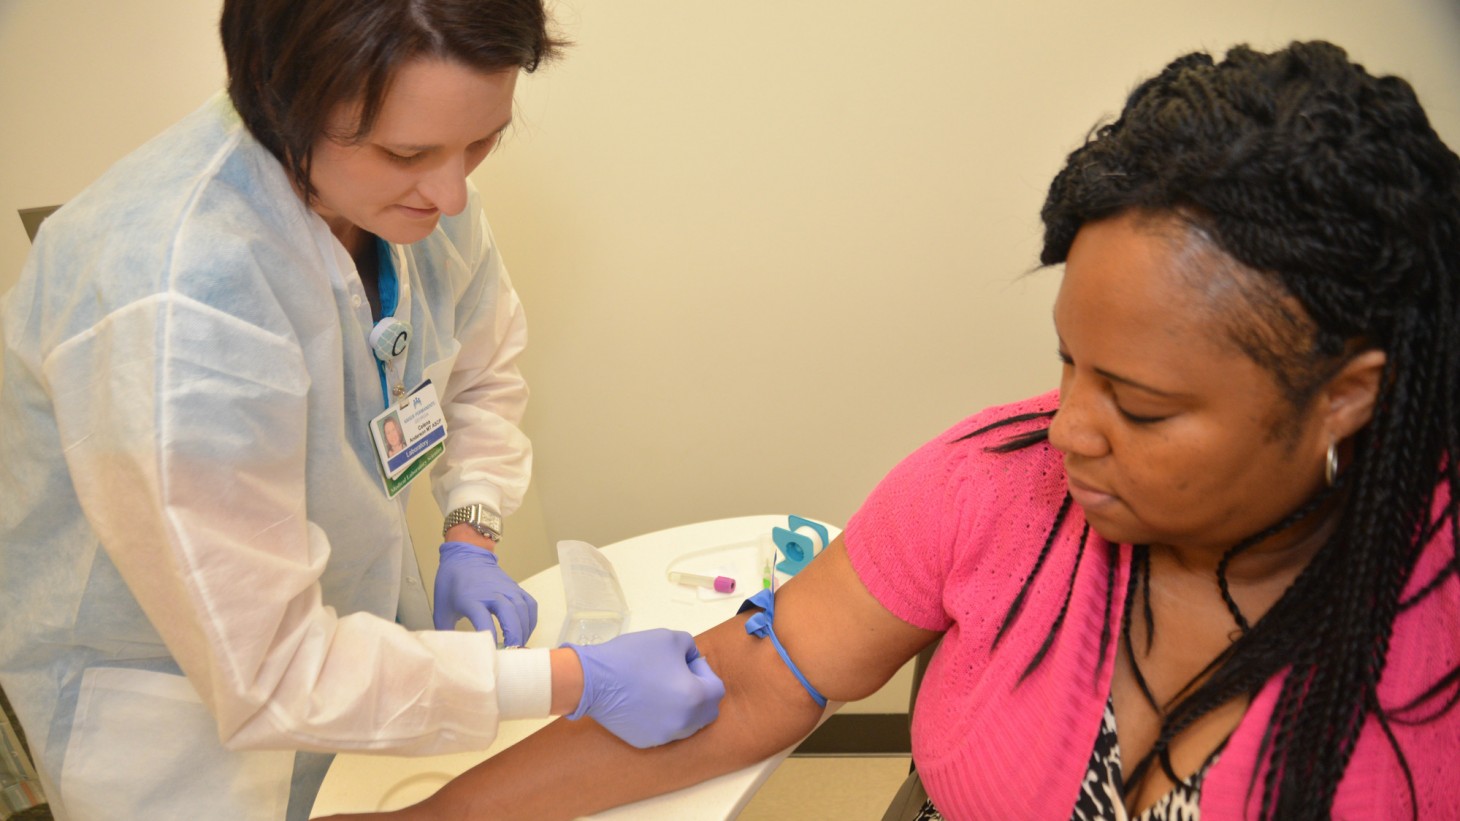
[{"x": 189, "y": 487}]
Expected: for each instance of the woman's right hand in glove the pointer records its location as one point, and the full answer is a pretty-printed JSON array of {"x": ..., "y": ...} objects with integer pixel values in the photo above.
[{"x": 648, "y": 688}]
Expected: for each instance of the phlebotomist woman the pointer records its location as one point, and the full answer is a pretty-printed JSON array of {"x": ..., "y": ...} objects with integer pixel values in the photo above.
[{"x": 207, "y": 576}]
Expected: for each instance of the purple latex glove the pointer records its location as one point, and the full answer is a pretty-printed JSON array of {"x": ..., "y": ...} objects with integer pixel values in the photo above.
[
  {"x": 648, "y": 688},
  {"x": 470, "y": 585}
]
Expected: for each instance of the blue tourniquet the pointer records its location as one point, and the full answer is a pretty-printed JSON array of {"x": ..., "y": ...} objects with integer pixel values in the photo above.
[{"x": 760, "y": 625}]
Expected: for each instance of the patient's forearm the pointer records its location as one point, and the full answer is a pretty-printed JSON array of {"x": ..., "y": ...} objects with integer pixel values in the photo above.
[
  {"x": 841, "y": 637},
  {"x": 572, "y": 768}
]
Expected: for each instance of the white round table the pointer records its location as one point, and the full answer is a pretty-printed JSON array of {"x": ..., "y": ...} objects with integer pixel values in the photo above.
[{"x": 726, "y": 547}]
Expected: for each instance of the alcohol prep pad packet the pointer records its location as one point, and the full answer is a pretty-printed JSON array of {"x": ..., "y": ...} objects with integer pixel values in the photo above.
[{"x": 595, "y": 599}]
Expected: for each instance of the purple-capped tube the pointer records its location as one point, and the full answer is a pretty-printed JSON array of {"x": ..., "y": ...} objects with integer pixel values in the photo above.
[{"x": 720, "y": 584}]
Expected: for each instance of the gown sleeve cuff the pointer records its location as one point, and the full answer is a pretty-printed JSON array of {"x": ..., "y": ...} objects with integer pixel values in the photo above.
[{"x": 524, "y": 683}]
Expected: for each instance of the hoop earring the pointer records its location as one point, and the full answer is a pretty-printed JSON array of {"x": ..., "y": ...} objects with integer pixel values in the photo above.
[{"x": 1330, "y": 465}]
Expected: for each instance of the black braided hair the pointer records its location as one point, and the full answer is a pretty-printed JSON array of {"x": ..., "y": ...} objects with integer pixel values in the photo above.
[{"x": 1331, "y": 184}]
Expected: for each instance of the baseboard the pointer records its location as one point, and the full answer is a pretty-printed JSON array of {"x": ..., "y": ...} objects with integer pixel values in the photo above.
[{"x": 859, "y": 734}]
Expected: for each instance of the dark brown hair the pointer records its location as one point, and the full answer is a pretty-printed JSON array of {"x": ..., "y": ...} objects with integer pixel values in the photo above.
[{"x": 291, "y": 62}]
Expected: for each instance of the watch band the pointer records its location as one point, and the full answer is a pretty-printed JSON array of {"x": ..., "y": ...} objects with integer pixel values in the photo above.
[{"x": 482, "y": 519}]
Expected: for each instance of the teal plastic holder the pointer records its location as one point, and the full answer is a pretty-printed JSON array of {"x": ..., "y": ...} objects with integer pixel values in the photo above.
[{"x": 798, "y": 548}]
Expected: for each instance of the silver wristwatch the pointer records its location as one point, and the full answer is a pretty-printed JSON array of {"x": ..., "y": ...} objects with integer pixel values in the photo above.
[{"x": 482, "y": 519}]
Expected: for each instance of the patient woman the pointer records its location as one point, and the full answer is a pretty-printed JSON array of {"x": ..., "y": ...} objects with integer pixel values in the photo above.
[{"x": 1215, "y": 573}]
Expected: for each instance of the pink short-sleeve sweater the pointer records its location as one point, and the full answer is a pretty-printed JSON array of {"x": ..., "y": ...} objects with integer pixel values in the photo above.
[{"x": 945, "y": 542}]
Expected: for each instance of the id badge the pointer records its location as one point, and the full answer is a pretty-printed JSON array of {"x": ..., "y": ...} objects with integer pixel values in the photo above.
[{"x": 408, "y": 437}]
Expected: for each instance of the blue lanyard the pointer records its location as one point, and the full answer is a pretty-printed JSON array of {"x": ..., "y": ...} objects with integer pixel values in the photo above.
[{"x": 387, "y": 285}]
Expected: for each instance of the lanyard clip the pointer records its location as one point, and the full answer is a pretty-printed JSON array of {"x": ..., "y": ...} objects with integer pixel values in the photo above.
[{"x": 389, "y": 338}]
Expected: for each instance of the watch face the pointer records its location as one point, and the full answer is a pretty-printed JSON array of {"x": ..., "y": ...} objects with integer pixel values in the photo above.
[{"x": 481, "y": 519}]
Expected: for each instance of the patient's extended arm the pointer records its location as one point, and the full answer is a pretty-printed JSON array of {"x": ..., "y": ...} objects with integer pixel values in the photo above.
[{"x": 843, "y": 640}]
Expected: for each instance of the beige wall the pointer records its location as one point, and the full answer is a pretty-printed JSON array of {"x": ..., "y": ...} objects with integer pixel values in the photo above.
[
  {"x": 769, "y": 247},
  {"x": 766, "y": 247}
]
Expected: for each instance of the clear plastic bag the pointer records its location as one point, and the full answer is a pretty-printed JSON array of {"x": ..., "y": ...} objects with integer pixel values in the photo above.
[{"x": 596, "y": 607}]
